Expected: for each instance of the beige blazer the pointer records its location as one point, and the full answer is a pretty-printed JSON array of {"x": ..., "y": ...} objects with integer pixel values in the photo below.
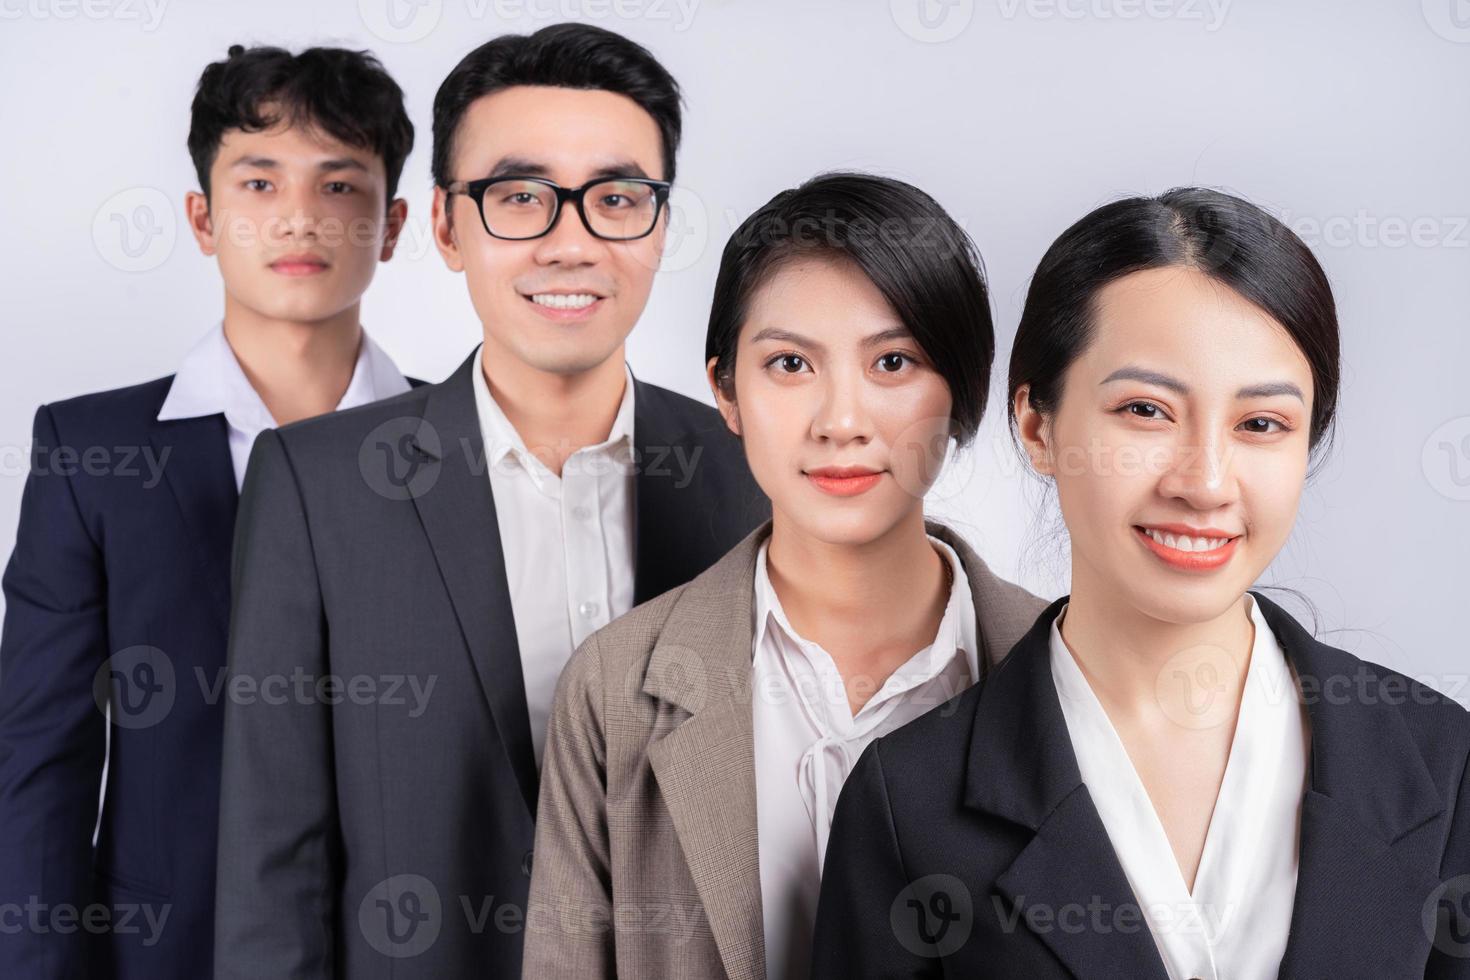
[{"x": 645, "y": 860}]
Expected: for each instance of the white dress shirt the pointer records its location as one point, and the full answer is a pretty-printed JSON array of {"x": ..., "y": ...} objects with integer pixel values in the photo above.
[
  {"x": 210, "y": 381},
  {"x": 807, "y": 740},
  {"x": 567, "y": 541},
  {"x": 1234, "y": 925}
]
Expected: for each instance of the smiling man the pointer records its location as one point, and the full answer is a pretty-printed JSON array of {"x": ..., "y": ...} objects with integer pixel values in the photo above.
[
  {"x": 117, "y": 596},
  {"x": 466, "y": 535}
]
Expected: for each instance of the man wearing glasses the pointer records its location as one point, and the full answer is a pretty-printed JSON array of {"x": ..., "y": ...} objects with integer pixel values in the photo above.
[{"x": 412, "y": 577}]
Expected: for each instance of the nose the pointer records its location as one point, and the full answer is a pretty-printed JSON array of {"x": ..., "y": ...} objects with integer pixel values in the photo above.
[
  {"x": 841, "y": 415},
  {"x": 569, "y": 243},
  {"x": 1200, "y": 471},
  {"x": 298, "y": 218}
]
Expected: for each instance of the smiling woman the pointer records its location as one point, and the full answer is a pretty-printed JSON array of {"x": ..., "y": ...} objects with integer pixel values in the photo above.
[{"x": 1160, "y": 740}]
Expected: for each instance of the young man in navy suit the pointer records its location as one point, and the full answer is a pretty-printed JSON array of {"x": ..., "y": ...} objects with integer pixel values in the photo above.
[{"x": 118, "y": 592}]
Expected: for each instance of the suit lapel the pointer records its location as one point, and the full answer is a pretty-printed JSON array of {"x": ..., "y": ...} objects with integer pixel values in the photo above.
[
  {"x": 1022, "y": 768},
  {"x": 201, "y": 475},
  {"x": 706, "y": 766},
  {"x": 1368, "y": 788},
  {"x": 658, "y": 512},
  {"x": 457, "y": 511}
]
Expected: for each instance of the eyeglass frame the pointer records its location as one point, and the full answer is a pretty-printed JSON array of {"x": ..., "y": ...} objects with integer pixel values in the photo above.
[{"x": 475, "y": 191}]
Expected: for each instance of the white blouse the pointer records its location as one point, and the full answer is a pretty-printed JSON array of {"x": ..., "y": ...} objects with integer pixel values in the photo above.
[
  {"x": 807, "y": 740},
  {"x": 1234, "y": 925}
]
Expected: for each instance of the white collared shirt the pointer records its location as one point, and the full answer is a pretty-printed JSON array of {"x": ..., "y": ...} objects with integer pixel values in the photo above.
[
  {"x": 1234, "y": 925},
  {"x": 567, "y": 541},
  {"x": 807, "y": 740},
  {"x": 210, "y": 381}
]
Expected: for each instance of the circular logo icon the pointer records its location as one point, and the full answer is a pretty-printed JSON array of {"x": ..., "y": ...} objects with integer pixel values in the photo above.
[
  {"x": 1447, "y": 917},
  {"x": 1446, "y": 459},
  {"x": 134, "y": 230},
  {"x": 932, "y": 21},
  {"x": 1196, "y": 688},
  {"x": 687, "y": 233},
  {"x": 1450, "y": 19},
  {"x": 923, "y": 455},
  {"x": 137, "y": 685},
  {"x": 401, "y": 458},
  {"x": 400, "y": 21},
  {"x": 402, "y": 916},
  {"x": 933, "y": 916}
]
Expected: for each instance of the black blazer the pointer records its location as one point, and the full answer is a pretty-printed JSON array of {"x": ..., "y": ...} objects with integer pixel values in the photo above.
[
  {"x": 122, "y": 561},
  {"x": 390, "y": 834},
  {"x": 965, "y": 843}
]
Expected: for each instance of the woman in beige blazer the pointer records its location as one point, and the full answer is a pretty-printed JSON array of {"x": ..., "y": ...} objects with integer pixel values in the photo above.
[{"x": 697, "y": 745}]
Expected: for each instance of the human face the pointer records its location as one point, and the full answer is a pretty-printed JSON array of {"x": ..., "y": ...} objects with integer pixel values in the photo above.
[
  {"x": 1188, "y": 414},
  {"x": 843, "y": 417},
  {"x": 297, "y": 221},
  {"x": 569, "y": 136}
]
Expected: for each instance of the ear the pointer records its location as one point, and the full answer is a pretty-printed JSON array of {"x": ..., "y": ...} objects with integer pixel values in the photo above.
[
  {"x": 1033, "y": 430},
  {"x": 446, "y": 238},
  {"x": 727, "y": 406},
  {"x": 397, "y": 218},
  {"x": 196, "y": 211}
]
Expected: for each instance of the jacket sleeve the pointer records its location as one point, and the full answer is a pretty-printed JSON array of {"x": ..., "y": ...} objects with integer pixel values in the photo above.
[
  {"x": 1449, "y": 957},
  {"x": 862, "y": 876},
  {"x": 279, "y": 836},
  {"x": 52, "y": 733},
  {"x": 569, "y": 928}
]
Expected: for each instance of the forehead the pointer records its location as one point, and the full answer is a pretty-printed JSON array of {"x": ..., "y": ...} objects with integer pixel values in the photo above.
[
  {"x": 1181, "y": 319},
  {"x": 289, "y": 143},
  {"x": 572, "y": 133},
  {"x": 822, "y": 297}
]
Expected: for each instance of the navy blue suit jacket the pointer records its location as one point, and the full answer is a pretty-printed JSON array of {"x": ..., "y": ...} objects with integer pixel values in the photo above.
[
  {"x": 118, "y": 592},
  {"x": 965, "y": 844}
]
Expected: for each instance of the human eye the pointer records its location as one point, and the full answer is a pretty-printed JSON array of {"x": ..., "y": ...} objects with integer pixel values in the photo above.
[
  {"x": 787, "y": 363},
  {"x": 1143, "y": 409}
]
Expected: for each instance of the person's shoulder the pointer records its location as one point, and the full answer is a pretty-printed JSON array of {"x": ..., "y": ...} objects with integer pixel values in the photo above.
[
  {"x": 115, "y": 409},
  {"x": 675, "y": 408},
  {"x": 932, "y": 748},
  {"x": 613, "y": 660},
  {"x": 1438, "y": 723},
  {"x": 327, "y": 442}
]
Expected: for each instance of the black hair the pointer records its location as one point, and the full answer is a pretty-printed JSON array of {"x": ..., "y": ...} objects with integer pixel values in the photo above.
[
  {"x": 346, "y": 94},
  {"x": 923, "y": 263},
  {"x": 1229, "y": 239},
  {"x": 577, "y": 56}
]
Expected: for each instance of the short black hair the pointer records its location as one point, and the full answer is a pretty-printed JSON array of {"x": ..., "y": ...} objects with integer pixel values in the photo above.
[
  {"x": 1229, "y": 239},
  {"x": 347, "y": 94},
  {"x": 923, "y": 263},
  {"x": 576, "y": 56}
]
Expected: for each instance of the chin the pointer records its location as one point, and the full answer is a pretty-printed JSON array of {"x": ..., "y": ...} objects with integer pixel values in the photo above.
[
  {"x": 844, "y": 523},
  {"x": 1185, "y": 603}
]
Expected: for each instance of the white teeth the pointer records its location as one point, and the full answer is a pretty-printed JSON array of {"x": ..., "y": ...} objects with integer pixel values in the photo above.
[
  {"x": 564, "y": 301},
  {"x": 1183, "y": 542}
]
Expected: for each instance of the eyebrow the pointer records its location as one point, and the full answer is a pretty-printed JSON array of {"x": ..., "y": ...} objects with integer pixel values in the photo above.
[
  {"x": 266, "y": 163},
  {"x": 1266, "y": 389},
  {"x": 777, "y": 333},
  {"x": 526, "y": 167}
]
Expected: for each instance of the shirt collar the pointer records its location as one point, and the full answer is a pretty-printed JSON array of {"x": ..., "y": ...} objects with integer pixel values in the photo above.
[
  {"x": 956, "y": 633},
  {"x": 501, "y": 438},
  {"x": 210, "y": 381}
]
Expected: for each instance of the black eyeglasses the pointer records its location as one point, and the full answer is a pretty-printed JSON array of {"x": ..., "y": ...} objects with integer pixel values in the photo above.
[{"x": 617, "y": 209}]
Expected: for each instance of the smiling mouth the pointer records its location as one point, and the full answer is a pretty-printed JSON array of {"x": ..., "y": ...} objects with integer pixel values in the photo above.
[
  {"x": 564, "y": 301},
  {"x": 1204, "y": 551}
]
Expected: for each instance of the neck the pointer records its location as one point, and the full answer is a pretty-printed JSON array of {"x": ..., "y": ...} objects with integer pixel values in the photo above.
[
  {"x": 1123, "y": 651},
  {"x": 298, "y": 368},
  {"x": 856, "y": 599},
  {"x": 555, "y": 414}
]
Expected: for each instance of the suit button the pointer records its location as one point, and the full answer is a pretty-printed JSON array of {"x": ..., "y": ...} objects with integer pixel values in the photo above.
[{"x": 526, "y": 863}]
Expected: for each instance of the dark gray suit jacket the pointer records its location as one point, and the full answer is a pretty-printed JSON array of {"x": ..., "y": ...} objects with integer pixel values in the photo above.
[{"x": 379, "y": 786}]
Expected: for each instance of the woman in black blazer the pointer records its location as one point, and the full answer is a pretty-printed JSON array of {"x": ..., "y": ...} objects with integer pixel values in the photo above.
[{"x": 1168, "y": 776}]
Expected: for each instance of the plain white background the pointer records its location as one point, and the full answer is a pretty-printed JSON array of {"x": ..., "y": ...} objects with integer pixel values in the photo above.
[{"x": 1346, "y": 118}]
